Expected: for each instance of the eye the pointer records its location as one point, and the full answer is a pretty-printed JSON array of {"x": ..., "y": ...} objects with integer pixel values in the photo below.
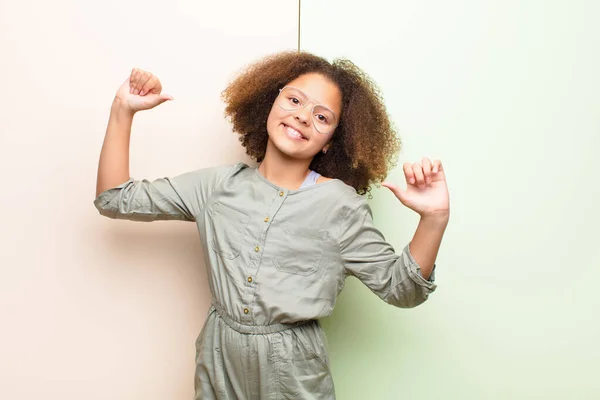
[
  {"x": 295, "y": 100},
  {"x": 321, "y": 118}
]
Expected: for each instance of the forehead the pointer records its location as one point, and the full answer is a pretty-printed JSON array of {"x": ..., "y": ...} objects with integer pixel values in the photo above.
[{"x": 319, "y": 89}]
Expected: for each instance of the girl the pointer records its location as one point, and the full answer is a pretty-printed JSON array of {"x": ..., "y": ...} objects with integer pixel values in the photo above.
[{"x": 282, "y": 238}]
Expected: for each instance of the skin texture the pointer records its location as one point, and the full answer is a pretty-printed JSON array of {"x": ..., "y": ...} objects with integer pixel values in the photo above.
[
  {"x": 287, "y": 158},
  {"x": 324, "y": 92}
]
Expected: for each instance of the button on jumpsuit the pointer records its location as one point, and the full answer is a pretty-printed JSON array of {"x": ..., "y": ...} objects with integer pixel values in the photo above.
[{"x": 277, "y": 259}]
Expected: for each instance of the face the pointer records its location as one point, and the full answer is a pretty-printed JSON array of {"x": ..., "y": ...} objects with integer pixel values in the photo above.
[{"x": 291, "y": 127}]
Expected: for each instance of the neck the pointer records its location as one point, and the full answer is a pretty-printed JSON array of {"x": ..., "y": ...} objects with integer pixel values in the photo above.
[{"x": 283, "y": 171}]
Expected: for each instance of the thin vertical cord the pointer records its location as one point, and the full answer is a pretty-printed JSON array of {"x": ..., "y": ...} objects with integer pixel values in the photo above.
[{"x": 299, "y": 9}]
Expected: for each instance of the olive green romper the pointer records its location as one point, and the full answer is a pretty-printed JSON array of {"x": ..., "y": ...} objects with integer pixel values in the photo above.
[{"x": 276, "y": 261}]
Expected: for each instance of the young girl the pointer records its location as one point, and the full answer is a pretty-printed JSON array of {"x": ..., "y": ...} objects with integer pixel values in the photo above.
[{"x": 282, "y": 238}]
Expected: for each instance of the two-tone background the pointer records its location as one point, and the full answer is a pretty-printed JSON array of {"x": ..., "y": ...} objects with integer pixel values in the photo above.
[{"x": 504, "y": 92}]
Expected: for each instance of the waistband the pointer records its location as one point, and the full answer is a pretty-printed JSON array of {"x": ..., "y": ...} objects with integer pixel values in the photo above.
[{"x": 254, "y": 329}]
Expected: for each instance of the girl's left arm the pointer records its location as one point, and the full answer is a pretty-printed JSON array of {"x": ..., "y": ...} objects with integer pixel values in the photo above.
[
  {"x": 427, "y": 195},
  {"x": 426, "y": 241}
]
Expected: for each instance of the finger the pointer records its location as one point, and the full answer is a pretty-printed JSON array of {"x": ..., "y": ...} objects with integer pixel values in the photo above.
[
  {"x": 157, "y": 87},
  {"x": 137, "y": 76},
  {"x": 133, "y": 79},
  {"x": 437, "y": 166},
  {"x": 408, "y": 173},
  {"x": 143, "y": 78},
  {"x": 147, "y": 85},
  {"x": 426, "y": 163},
  {"x": 419, "y": 176},
  {"x": 131, "y": 75}
]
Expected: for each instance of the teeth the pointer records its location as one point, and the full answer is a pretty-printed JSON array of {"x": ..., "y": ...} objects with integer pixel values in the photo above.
[{"x": 294, "y": 132}]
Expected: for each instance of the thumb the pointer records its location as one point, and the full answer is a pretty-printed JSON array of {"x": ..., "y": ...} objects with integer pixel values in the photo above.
[
  {"x": 164, "y": 97},
  {"x": 153, "y": 100},
  {"x": 399, "y": 193}
]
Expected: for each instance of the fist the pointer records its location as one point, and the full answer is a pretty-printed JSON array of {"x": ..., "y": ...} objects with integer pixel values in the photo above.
[{"x": 141, "y": 91}]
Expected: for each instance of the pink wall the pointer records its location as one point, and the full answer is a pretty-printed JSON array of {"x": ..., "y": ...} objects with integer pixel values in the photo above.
[{"x": 92, "y": 308}]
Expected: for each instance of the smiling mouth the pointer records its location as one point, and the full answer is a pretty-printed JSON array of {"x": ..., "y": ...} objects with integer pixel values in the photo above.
[{"x": 294, "y": 133}]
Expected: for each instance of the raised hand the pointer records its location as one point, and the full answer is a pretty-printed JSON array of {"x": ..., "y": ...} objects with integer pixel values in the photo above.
[
  {"x": 426, "y": 192},
  {"x": 141, "y": 91}
]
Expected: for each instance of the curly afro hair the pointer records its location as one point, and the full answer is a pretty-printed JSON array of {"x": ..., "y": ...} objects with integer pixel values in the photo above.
[{"x": 364, "y": 146}]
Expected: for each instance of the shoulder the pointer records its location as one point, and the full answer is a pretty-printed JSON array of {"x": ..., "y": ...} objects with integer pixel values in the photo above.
[
  {"x": 349, "y": 213},
  {"x": 346, "y": 201}
]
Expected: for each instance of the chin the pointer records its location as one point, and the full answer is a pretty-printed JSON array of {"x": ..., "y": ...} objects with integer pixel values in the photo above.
[
  {"x": 290, "y": 151},
  {"x": 292, "y": 148}
]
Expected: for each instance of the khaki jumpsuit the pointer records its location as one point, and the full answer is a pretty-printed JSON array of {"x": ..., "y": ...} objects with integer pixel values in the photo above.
[{"x": 277, "y": 259}]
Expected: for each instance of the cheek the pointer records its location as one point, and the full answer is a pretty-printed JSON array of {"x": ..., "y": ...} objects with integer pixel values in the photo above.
[
  {"x": 273, "y": 119},
  {"x": 321, "y": 139}
]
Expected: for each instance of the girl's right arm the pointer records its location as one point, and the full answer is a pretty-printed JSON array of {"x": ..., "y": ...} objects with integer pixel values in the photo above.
[
  {"x": 141, "y": 91},
  {"x": 119, "y": 196}
]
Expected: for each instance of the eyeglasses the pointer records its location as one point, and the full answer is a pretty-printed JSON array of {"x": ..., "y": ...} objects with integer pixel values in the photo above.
[{"x": 292, "y": 99}]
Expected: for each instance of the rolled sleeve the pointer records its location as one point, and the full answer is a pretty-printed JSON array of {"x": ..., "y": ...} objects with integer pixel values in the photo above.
[
  {"x": 422, "y": 287},
  {"x": 143, "y": 201},
  {"x": 395, "y": 278},
  {"x": 177, "y": 198}
]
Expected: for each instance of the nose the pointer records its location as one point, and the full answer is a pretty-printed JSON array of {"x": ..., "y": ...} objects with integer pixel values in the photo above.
[{"x": 303, "y": 116}]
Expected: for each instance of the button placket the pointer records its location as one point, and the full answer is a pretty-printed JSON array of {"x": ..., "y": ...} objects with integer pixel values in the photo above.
[
  {"x": 257, "y": 252},
  {"x": 267, "y": 221}
]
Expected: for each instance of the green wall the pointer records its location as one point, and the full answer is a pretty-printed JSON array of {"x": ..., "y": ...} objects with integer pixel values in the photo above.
[{"x": 506, "y": 93}]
